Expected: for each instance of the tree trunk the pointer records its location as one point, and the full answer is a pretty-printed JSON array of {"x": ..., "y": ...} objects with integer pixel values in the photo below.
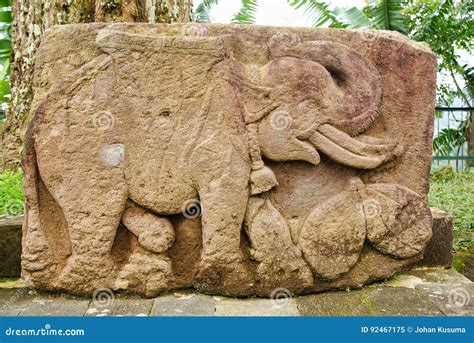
[{"x": 32, "y": 17}]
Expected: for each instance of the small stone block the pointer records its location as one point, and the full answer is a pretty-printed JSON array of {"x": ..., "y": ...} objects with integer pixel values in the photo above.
[{"x": 439, "y": 251}]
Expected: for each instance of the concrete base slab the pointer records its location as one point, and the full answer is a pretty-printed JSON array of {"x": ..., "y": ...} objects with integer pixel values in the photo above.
[
  {"x": 56, "y": 307},
  {"x": 256, "y": 307},
  {"x": 392, "y": 301},
  {"x": 184, "y": 305},
  {"x": 9, "y": 313},
  {"x": 122, "y": 307},
  {"x": 420, "y": 292},
  {"x": 333, "y": 304}
]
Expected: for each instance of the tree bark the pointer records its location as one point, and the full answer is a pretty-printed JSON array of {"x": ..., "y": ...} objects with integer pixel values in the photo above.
[{"x": 32, "y": 17}]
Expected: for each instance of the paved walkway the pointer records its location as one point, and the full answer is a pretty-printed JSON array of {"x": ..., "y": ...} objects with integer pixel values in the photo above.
[{"x": 431, "y": 292}]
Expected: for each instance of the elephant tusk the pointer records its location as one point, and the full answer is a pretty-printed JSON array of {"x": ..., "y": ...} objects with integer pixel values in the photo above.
[
  {"x": 366, "y": 146},
  {"x": 345, "y": 156}
]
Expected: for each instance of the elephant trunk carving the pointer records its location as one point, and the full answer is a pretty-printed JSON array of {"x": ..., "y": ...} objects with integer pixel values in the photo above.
[{"x": 334, "y": 95}]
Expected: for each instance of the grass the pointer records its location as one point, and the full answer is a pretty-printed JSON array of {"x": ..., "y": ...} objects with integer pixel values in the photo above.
[
  {"x": 454, "y": 193},
  {"x": 449, "y": 191},
  {"x": 11, "y": 194}
]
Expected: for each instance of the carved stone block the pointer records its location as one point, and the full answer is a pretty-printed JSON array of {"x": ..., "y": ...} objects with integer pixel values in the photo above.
[{"x": 238, "y": 160}]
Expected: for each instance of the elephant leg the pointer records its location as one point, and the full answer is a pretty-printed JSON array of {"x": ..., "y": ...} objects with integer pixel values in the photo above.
[
  {"x": 92, "y": 200},
  {"x": 223, "y": 209}
]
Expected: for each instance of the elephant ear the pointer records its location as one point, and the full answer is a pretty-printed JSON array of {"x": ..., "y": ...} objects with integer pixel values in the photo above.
[{"x": 354, "y": 76}]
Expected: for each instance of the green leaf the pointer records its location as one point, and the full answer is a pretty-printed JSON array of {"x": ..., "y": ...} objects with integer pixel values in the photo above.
[
  {"x": 6, "y": 16},
  {"x": 378, "y": 14},
  {"x": 318, "y": 11},
  {"x": 5, "y": 3},
  {"x": 5, "y": 44},
  {"x": 387, "y": 15},
  {"x": 5, "y": 70},
  {"x": 353, "y": 16},
  {"x": 246, "y": 14},
  {"x": 202, "y": 11},
  {"x": 6, "y": 31}
]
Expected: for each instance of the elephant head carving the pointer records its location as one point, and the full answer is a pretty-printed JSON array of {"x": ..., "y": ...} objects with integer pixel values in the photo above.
[{"x": 314, "y": 100}]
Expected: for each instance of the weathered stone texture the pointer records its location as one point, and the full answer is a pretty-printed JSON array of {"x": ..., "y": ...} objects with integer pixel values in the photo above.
[{"x": 234, "y": 159}]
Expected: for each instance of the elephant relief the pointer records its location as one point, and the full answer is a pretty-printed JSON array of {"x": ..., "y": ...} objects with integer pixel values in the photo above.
[{"x": 155, "y": 127}]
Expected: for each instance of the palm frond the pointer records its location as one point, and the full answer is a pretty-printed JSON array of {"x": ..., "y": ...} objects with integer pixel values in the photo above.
[
  {"x": 353, "y": 17},
  {"x": 318, "y": 11},
  {"x": 201, "y": 14},
  {"x": 387, "y": 15},
  {"x": 246, "y": 14}
]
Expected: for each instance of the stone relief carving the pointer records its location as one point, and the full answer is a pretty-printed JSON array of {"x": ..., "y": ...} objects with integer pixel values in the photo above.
[{"x": 165, "y": 160}]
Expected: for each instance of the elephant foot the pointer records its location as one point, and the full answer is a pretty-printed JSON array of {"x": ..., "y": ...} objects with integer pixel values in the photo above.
[
  {"x": 225, "y": 275},
  {"x": 85, "y": 274},
  {"x": 145, "y": 273}
]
